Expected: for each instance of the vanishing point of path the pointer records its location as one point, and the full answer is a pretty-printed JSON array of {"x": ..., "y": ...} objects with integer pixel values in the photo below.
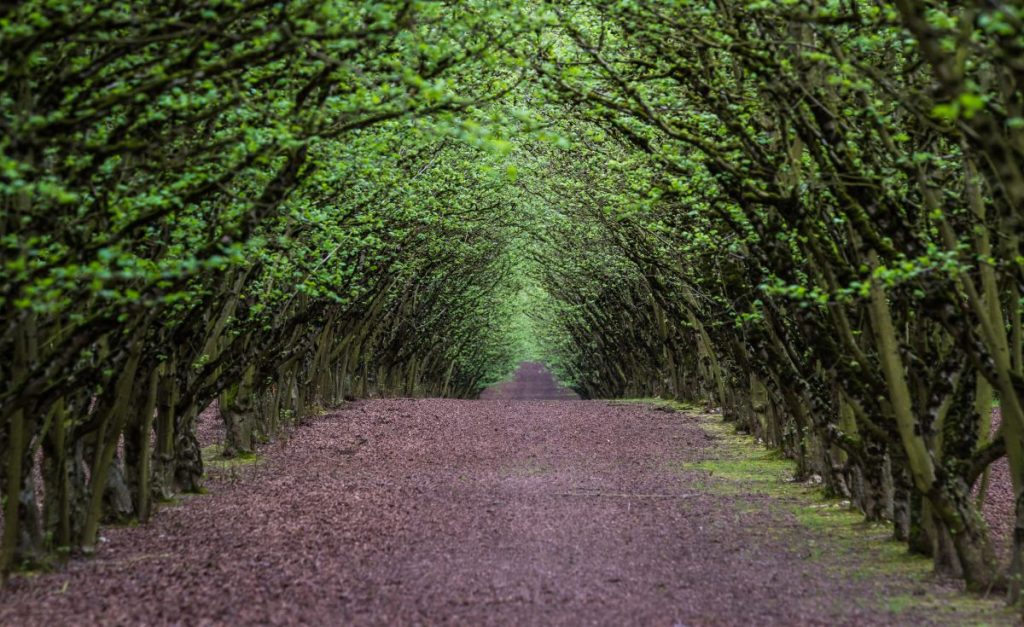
[{"x": 515, "y": 512}]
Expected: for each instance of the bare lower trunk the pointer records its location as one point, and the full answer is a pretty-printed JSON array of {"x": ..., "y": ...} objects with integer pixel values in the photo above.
[
  {"x": 237, "y": 410},
  {"x": 30, "y": 543},
  {"x": 944, "y": 553},
  {"x": 901, "y": 504},
  {"x": 117, "y": 498},
  {"x": 874, "y": 497},
  {"x": 188, "y": 459}
]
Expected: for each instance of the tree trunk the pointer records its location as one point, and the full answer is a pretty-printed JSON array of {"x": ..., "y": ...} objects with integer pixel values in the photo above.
[
  {"x": 901, "y": 503},
  {"x": 874, "y": 498},
  {"x": 188, "y": 459},
  {"x": 237, "y": 411}
]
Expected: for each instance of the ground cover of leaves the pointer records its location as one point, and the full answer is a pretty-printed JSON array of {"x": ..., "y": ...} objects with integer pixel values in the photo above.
[{"x": 500, "y": 512}]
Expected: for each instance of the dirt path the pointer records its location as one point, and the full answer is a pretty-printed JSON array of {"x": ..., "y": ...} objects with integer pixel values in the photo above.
[
  {"x": 468, "y": 512},
  {"x": 532, "y": 381}
]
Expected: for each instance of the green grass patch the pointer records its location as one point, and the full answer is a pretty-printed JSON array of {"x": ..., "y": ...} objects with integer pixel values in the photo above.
[
  {"x": 835, "y": 534},
  {"x": 213, "y": 460},
  {"x": 661, "y": 403},
  {"x": 180, "y": 497}
]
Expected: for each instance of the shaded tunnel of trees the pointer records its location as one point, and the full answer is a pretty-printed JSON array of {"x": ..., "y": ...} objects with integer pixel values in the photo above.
[{"x": 807, "y": 213}]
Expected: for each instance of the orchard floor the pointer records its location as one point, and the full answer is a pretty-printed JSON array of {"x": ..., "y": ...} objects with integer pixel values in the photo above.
[{"x": 505, "y": 511}]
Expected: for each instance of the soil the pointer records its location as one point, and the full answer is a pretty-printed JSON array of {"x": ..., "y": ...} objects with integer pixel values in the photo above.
[{"x": 500, "y": 511}]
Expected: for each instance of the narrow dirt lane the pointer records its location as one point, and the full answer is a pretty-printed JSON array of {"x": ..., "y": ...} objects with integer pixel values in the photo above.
[
  {"x": 532, "y": 381},
  {"x": 470, "y": 512}
]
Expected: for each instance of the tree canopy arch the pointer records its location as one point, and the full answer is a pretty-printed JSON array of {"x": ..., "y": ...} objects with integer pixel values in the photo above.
[{"x": 807, "y": 213}]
